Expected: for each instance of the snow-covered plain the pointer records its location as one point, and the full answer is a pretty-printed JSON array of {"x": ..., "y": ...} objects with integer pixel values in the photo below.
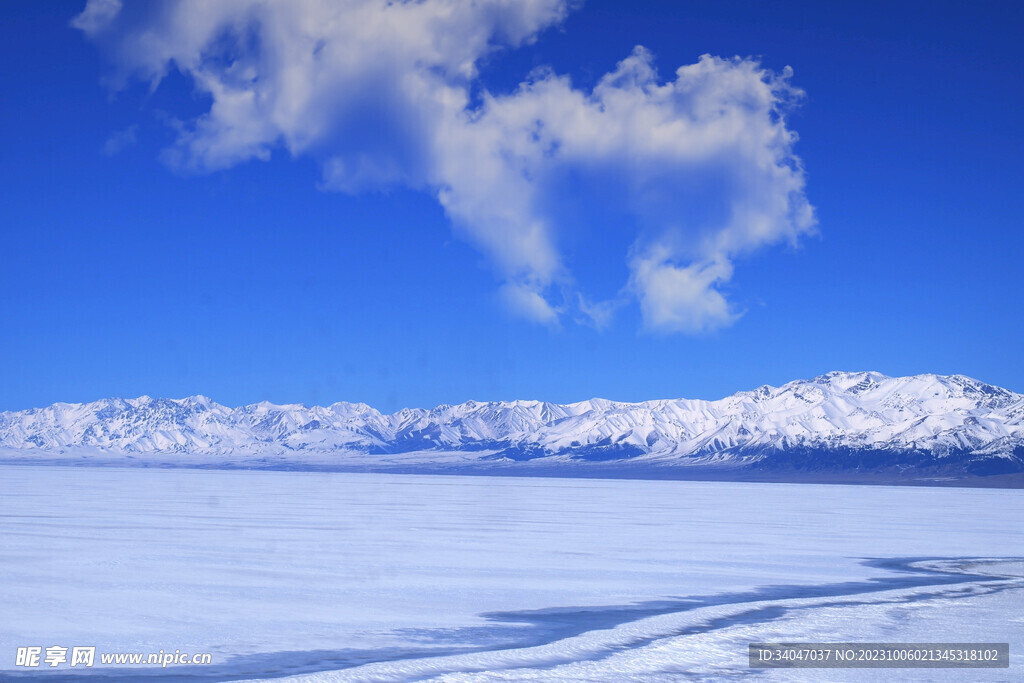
[{"x": 378, "y": 577}]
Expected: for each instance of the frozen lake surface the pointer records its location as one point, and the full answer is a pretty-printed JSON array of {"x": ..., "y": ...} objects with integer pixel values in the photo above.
[{"x": 380, "y": 577}]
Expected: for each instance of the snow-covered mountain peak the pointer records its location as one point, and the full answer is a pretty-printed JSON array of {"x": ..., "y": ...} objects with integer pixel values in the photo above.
[
  {"x": 199, "y": 399},
  {"x": 835, "y": 412},
  {"x": 851, "y": 382}
]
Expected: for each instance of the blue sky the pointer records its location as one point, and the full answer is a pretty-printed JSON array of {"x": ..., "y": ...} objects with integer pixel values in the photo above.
[{"x": 404, "y": 223}]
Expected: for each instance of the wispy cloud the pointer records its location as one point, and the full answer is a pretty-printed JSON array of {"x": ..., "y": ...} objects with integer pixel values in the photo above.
[
  {"x": 528, "y": 302},
  {"x": 97, "y": 15},
  {"x": 119, "y": 140},
  {"x": 378, "y": 92}
]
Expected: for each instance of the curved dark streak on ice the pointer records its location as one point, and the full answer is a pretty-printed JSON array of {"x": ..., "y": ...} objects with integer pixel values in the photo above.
[
  {"x": 530, "y": 628},
  {"x": 556, "y": 623},
  {"x": 971, "y": 585}
]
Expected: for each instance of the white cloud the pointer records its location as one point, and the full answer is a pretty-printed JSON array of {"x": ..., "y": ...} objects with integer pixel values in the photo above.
[
  {"x": 704, "y": 163},
  {"x": 527, "y": 302},
  {"x": 340, "y": 78},
  {"x": 675, "y": 298},
  {"x": 378, "y": 92},
  {"x": 97, "y": 15}
]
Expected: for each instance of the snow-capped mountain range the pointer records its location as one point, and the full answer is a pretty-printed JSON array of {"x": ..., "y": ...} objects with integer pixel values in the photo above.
[{"x": 841, "y": 415}]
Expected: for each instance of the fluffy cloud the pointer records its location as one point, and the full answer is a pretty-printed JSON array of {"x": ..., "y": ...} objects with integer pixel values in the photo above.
[
  {"x": 700, "y": 168},
  {"x": 703, "y": 164},
  {"x": 680, "y": 298}
]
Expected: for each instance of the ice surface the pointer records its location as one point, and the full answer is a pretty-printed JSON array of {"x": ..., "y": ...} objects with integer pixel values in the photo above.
[{"x": 341, "y": 576}]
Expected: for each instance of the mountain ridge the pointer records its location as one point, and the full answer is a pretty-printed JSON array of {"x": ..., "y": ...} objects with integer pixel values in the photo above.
[{"x": 830, "y": 422}]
